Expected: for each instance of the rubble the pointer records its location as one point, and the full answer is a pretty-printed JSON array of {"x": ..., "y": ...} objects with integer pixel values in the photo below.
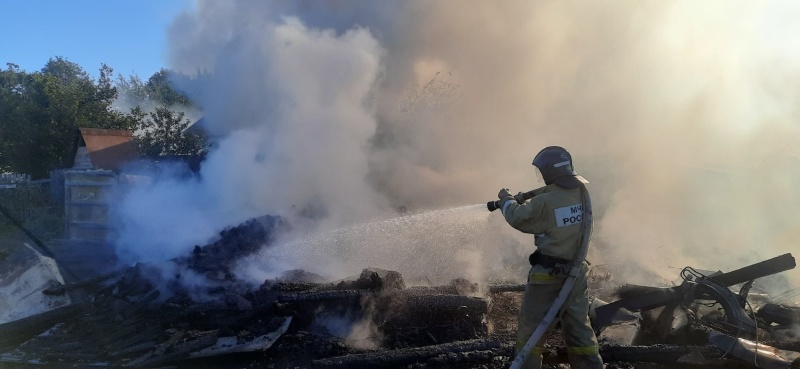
[
  {"x": 703, "y": 305},
  {"x": 395, "y": 358},
  {"x": 696, "y": 285},
  {"x": 128, "y": 319},
  {"x": 781, "y": 315},
  {"x": 373, "y": 319},
  {"x": 216, "y": 259},
  {"x": 760, "y": 355}
]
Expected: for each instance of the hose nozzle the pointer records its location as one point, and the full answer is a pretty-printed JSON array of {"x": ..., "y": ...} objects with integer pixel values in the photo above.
[{"x": 520, "y": 198}]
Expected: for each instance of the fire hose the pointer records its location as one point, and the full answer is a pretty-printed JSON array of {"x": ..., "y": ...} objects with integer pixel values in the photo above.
[{"x": 574, "y": 271}]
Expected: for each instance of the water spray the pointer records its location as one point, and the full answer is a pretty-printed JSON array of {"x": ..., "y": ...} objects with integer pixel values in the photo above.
[{"x": 520, "y": 197}]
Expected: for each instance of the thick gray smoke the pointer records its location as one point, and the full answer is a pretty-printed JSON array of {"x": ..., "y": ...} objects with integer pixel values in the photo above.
[
  {"x": 682, "y": 114},
  {"x": 293, "y": 126}
]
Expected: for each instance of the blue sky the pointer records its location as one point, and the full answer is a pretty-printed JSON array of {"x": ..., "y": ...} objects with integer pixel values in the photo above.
[{"x": 130, "y": 35}]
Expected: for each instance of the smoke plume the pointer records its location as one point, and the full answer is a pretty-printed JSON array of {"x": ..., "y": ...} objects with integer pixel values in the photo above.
[{"x": 682, "y": 114}]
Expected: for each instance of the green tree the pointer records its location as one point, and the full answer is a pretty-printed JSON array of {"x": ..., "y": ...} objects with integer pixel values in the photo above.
[
  {"x": 160, "y": 133},
  {"x": 131, "y": 90},
  {"x": 11, "y": 115},
  {"x": 41, "y": 111},
  {"x": 157, "y": 91},
  {"x": 160, "y": 89}
]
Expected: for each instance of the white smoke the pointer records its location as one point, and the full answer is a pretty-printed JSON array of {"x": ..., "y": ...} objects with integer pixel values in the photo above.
[
  {"x": 294, "y": 106},
  {"x": 682, "y": 114}
]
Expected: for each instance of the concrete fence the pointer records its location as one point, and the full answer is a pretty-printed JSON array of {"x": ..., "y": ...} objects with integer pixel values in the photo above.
[{"x": 11, "y": 180}]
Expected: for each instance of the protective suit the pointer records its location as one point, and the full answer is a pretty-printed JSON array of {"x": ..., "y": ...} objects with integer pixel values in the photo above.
[{"x": 554, "y": 217}]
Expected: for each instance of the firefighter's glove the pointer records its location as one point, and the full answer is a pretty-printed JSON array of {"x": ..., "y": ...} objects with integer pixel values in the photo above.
[{"x": 504, "y": 196}]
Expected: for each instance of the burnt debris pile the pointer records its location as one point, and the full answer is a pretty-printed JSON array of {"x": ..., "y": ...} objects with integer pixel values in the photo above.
[
  {"x": 215, "y": 260},
  {"x": 717, "y": 314},
  {"x": 152, "y": 315},
  {"x": 127, "y": 323},
  {"x": 149, "y": 316}
]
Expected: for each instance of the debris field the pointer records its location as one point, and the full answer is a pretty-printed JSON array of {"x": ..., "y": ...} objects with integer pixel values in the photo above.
[{"x": 138, "y": 317}]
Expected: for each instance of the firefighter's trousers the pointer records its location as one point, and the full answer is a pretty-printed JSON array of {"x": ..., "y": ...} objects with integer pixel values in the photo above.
[{"x": 542, "y": 289}]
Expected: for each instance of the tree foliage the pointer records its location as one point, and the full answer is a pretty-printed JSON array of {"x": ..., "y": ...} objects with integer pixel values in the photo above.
[
  {"x": 161, "y": 134},
  {"x": 159, "y": 114},
  {"x": 157, "y": 91},
  {"x": 41, "y": 111}
]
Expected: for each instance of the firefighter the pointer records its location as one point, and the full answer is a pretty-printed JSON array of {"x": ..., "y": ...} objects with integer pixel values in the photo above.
[{"x": 554, "y": 216}]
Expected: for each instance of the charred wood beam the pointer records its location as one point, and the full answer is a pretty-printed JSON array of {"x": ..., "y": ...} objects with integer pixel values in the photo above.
[
  {"x": 659, "y": 354},
  {"x": 123, "y": 332},
  {"x": 762, "y": 269},
  {"x": 92, "y": 283},
  {"x": 411, "y": 297},
  {"x": 660, "y": 297},
  {"x": 369, "y": 280},
  {"x": 436, "y": 311},
  {"x": 142, "y": 304},
  {"x": 458, "y": 286},
  {"x": 21, "y": 362},
  {"x": 427, "y": 305},
  {"x": 396, "y": 358},
  {"x": 296, "y": 286},
  {"x": 300, "y": 291},
  {"x": 202, "y": 320},
  {"x": 667, "y": 354},
  {"x": 424, "y": 290},
  {"x": 663, "y": 296},
  {"x": 457, "y": 359},
  {"x": 780, "y": 314},
  {"x": 19, "y": 331},
  {"x": 324, "y": 295},
  {"x": 374, "y": 280},
  {"x": 135, "y": 349},
  {"x": 146, "y": 335},
  {"x": 178, "y": 352},
  {"x": 452, "y": 290},
  {"x": 125, "y": 292},
  {"x": 70, "y": 356},
  {"x": 498, "y": 288},
  {"x": 632, "y": 290},
  {"x": 67, "y": 347}
]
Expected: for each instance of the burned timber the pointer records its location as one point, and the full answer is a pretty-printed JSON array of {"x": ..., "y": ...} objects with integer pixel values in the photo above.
[{"x": 128, "y": 318}]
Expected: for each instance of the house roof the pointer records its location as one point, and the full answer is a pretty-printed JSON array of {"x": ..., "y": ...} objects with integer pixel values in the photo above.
[{"x": 109, "y": 148}]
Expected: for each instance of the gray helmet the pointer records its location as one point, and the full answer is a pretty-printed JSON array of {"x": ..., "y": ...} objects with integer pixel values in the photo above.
[{"x": 554, "y": 162}]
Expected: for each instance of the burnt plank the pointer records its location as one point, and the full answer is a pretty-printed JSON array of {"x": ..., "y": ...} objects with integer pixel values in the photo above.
[
  {"x": 19, "y": 331},
  {"x": 499, "y": 288},
  {"x": 660, "y": 297},
  {"x": 400, "y": 357},
  {"x": 178, "y": 352},
  {"x": 761, "y": 269}
]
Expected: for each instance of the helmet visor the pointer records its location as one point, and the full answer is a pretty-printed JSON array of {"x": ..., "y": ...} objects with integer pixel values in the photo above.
[{"x": 539, "y": 176}]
